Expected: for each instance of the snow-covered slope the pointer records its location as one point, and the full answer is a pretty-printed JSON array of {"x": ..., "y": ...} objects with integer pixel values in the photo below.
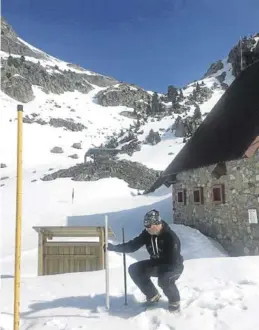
[
  {"x": 40, "y": 139},
  {"x": 69, "y": 104},
  {"x": 64, "y": 108}
]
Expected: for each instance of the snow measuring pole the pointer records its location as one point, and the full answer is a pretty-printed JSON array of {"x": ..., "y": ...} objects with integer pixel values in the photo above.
[
  {"x": 124, "y": 267},
  {"x": 107, "y": 263},
  {"x": 16, "y": 319}
]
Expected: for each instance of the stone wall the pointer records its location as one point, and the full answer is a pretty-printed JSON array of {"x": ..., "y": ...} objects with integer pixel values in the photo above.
[{"x": 226, "y": 222}]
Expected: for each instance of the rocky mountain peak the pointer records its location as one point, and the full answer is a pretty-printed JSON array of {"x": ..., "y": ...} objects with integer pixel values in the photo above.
[
  {"x": 246, "y": 51},
  {"x": 12, "y": 44},
  {"x": 248, "y": 48}
]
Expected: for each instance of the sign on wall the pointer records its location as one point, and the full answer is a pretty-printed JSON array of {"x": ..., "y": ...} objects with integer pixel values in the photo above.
[{"x": 252, "y": 216}]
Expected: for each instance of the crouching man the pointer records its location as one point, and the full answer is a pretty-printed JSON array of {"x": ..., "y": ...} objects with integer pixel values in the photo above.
[{"x": 165, "y": 263}]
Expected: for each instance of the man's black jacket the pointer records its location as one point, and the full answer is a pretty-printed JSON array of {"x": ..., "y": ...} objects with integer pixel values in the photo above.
[{"x": 164, "y": 248}]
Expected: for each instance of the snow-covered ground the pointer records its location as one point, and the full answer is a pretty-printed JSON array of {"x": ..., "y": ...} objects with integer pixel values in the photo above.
[{"x": 217, "y": 292}]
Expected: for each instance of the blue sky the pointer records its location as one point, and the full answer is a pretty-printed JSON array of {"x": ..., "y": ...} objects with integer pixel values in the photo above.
[{"x": 152, "y": 43}]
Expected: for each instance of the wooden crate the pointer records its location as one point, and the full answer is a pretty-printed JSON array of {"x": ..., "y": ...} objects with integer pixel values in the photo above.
[{"x": 58, "y": 257}]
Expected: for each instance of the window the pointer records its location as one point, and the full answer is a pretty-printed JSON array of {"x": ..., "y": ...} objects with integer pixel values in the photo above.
[
  {"x": 181, "y": 196},
  {"x": 198, "y": 195},
  {"x": 218, "y": 194}
]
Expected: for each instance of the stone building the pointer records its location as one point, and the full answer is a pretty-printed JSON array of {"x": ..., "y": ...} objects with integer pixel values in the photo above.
[{"x": 215, "y": 177}]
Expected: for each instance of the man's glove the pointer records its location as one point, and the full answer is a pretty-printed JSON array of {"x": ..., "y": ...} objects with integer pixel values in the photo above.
[{"x": 110, "y": 247}]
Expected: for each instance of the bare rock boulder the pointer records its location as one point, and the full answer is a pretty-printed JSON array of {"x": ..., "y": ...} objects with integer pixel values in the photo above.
[{"x": 57, "y": 150}]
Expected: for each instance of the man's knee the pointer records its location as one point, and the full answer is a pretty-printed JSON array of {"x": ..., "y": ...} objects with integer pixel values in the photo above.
[
  {"x": 139, "y": 269},
  {"x": 133, "y": 269}
]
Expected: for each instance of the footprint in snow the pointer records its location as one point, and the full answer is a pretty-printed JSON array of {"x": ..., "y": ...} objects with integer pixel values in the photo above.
[
  {"x": 220, "y": 325},
  {"x": 211, "y": 305},
  {"x": 247, "y": 282},
  {"x": 57, "y": 323},
  {"x": 157, "y": 324}
]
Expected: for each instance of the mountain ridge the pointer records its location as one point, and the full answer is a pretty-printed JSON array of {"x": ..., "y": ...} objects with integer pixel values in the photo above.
[{"x": 80, "y": 107}]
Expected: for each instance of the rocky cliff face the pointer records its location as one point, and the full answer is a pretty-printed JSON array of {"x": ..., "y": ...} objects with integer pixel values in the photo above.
[
  {"x": 123, "y": 94},
  {"x": 12, "y": 44},
  {"x": 25, "y": 66},
  {"x": 17, "y": 71},
  {"x": 247, "y": 48},
  {"x": 51, "y": 78}
]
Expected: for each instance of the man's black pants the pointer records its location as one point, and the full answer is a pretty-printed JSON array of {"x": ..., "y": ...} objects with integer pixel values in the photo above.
[{"x": 142, "y": 271}]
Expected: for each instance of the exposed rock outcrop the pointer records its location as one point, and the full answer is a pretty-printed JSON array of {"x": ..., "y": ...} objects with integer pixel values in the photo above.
[
  {"x": 153, "y": 137},
  {"x": 250, "y": 53},
  {"x": 18, "y": 88},
  {"x": 10, "y": 43},
  {"x": 178, "y": 127},
  {"x": 123, "y": 94},
  {"x": 57, "y": 150},
  {"x": 214, "y": 68},
  {"x": 135, "y": 174},
  {"x": 77, "y": 145},
  {"x": 68, "y": 124}
]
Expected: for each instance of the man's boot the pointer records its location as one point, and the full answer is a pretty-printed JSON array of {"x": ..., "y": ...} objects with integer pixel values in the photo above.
[
  {"x": 153, "y": 300},
  {"x": 174, "y": 306}
]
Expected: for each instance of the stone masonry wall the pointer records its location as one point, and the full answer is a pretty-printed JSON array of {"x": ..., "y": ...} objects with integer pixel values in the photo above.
[{"x": 227, "y": 223}]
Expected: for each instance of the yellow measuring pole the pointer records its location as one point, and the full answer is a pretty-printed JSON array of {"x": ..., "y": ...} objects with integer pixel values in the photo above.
[{"x": 16, "y": 320}]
